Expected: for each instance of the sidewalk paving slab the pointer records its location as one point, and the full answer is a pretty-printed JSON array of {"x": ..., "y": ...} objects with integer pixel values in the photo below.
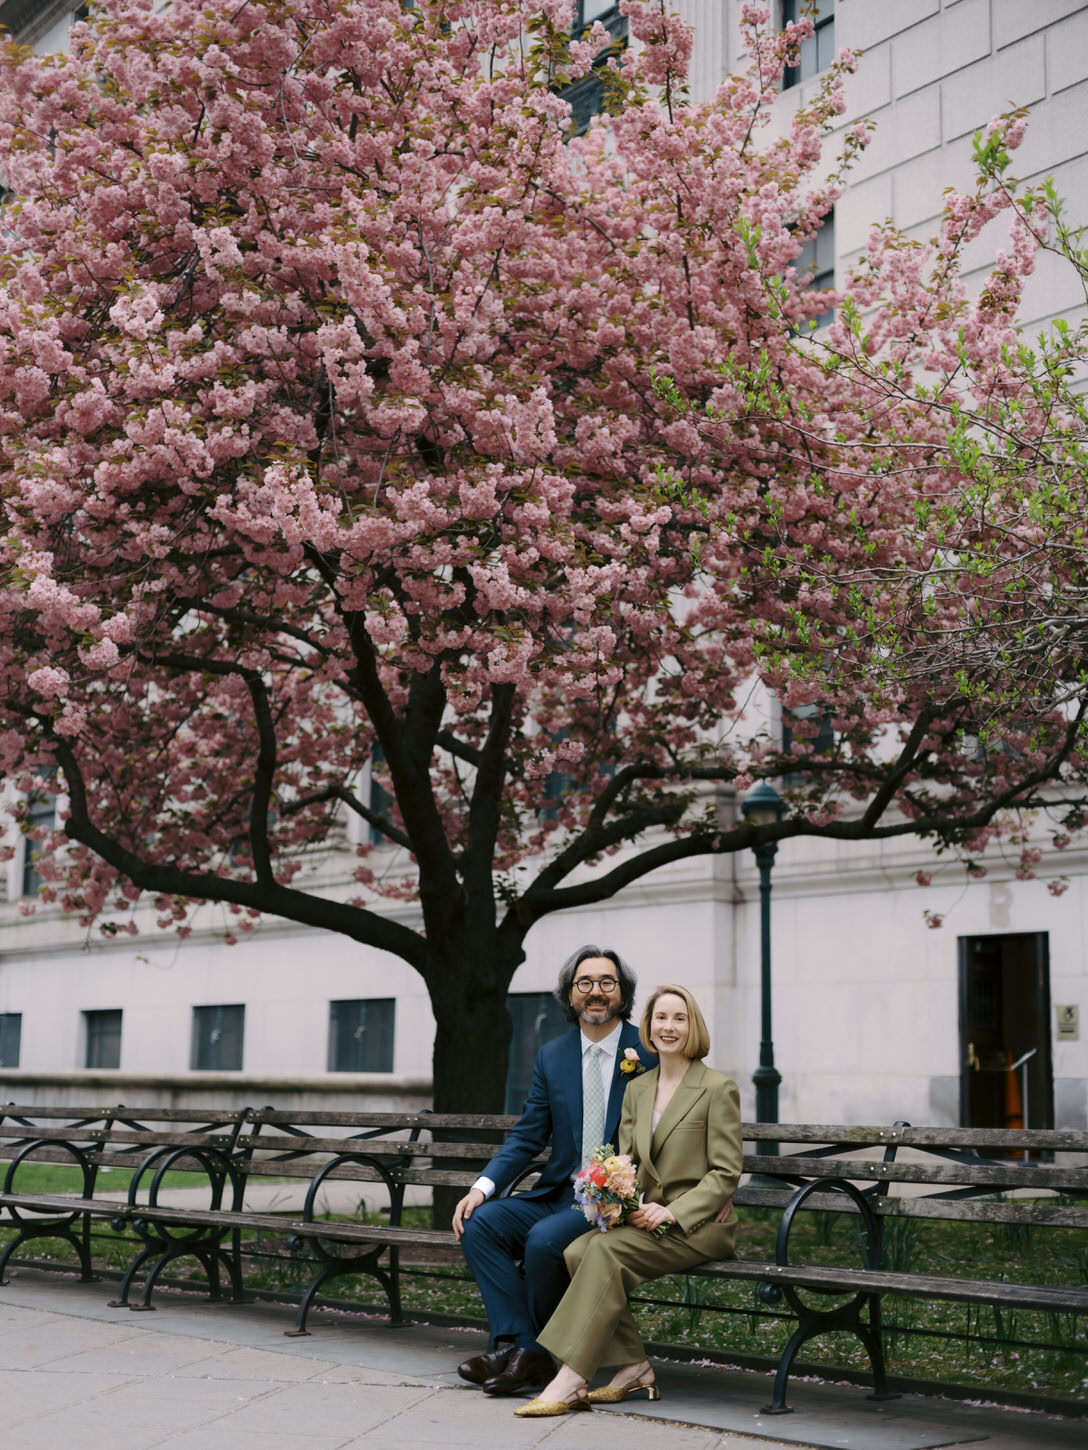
[{"x": 77, "y": 1374}]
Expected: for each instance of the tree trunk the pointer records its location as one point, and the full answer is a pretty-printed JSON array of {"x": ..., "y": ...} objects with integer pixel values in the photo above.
[{"x": 471, "y": 1051}]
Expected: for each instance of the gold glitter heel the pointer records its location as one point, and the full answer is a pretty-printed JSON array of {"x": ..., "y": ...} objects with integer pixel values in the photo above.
[
  {"x": 536, "y": 1409},
  {"x": 613, "y": 1394}
]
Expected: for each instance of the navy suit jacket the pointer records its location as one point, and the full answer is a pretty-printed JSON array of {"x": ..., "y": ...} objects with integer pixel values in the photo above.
[{"x": 552, "y": 1116}]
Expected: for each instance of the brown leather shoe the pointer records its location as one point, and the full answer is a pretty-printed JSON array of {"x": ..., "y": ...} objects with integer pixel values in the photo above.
[
  {"x": 524, "y": 1367},
  {"x": 483, "y": 1367}
]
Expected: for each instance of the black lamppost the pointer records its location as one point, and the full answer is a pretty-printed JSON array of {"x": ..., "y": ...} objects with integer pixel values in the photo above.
[{"x": 763, "y": 806}]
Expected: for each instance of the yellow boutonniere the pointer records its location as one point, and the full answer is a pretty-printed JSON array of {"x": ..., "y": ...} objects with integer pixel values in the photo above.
[{"x": 631, "y": 1063}]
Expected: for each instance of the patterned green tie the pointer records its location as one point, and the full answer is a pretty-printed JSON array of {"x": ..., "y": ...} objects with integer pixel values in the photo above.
[{"x": 592, "y": 1103}]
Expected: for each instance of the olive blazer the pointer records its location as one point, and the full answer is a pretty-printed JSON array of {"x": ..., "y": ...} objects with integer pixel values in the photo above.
[{"x": 692, "y": 1162}]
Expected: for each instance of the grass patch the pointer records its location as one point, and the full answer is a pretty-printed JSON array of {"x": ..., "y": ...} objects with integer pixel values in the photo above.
[{"x": 34, "y": 1177}]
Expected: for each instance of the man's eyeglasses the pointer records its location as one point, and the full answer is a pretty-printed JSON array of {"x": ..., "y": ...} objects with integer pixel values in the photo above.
[{"x": 586, "y": 984}]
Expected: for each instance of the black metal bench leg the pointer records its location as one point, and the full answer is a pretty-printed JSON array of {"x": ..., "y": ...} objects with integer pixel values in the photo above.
[
  {"x": 87, "y": 1274},
  {"x": 873, "y": 1339},
  {"x": 233, "y": 1262},
  {"x": 778, "y": 1404},
  {"x": 145, "y": 1306},
  {"x": 392, "y": 1289},
  {"x": 6, "y": 1255},
  {"x": 121, "y": 1302},
  {"x": 307, "y": 1299},
  {"x": 208, "y": 1259},
  {"x": 216, "y": 1261},
  {"x": 78, "y": 1239}
]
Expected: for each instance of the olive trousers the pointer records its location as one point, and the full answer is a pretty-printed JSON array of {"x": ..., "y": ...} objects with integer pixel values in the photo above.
[{"x": 593, "y": 1325}]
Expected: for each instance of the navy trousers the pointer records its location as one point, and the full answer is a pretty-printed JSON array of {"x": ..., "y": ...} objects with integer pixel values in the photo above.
[{"x": 536, "y": 1231}]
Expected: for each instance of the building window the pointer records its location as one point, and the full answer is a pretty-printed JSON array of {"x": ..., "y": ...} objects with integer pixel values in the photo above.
[
  {"x": 217, "y": 1039},
  {"x": 537, "y": 1018},
  {"x": 41, "y": 811},
  {"x": 102, "y": 1034},
  {"x": 557, "y": 785},
  {"x": 11, "y": 1032},
  {"x": 361, "y": 1035},
  {"x": 815, "y": 265},
  {"x": 586, "y": 96},
  {"x": 822, "y": 743},
  {"x": 817, "y": 738},
  {"x": 818, "y": 51}
]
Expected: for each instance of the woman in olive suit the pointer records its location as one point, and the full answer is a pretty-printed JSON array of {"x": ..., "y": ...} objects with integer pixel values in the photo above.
[{"x": 681, "y": 1126}]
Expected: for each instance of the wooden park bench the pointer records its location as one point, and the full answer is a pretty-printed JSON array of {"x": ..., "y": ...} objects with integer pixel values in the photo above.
[
  {"x": 875, "y": 1173},
  {"x": 226, "y": 1151},
  {"x": 960, "y": 1175}
]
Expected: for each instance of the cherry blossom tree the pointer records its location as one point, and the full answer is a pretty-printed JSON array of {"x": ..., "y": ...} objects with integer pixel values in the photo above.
[
  {"x": 356, "y": 420},
  {"x": 960, "y": 449}
]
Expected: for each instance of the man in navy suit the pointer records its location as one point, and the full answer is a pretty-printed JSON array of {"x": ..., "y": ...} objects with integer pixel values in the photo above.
[{"x": 575, "y": 1096}]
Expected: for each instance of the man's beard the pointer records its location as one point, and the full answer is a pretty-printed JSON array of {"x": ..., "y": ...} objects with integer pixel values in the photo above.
[{"x": 599, "y": 1006}]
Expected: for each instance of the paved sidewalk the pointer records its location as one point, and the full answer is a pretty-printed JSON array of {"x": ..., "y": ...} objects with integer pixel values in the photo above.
[{"x": 78, "y": 1375}]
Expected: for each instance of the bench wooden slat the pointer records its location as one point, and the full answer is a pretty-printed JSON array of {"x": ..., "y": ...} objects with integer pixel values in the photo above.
[
  {"x": 998, "y": 1176},
  {"x": 1041, "y": 1139},
  {"x": 101, "y": 1157},
  {"x": 303, "y": 1170},
  {"x": 334, "y": 1230},
  {"x": 376, "y": 1147},
  {"x": 919, "y": 1286},
  {"x": 60, "y": 1203},
  {"x": 973, "y": 1210},
  {"x": 489, "y": 1122},
  {"x": 966, "y": 1210},
  {"x": 84, "y": 1136},
  {"x": 226, "y": 1117}
]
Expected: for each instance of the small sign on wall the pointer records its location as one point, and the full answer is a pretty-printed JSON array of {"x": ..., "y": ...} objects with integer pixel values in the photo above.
[{"x": 1068, "y": 1023}]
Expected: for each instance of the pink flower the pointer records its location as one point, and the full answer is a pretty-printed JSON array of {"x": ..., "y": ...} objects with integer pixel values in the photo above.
[{"x": 48, "y": 681}]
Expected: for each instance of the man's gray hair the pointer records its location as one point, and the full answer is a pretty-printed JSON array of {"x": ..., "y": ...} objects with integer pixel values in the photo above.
[{"x": 627, "y": 979}]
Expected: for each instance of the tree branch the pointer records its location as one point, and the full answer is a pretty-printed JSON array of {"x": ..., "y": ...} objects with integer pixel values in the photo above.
[
  {"x": 356, "y": 922},
  {"x": 263, "y": 779},
  {"x": 595, "y": 837},
  {"x": 249, "y": 617},
  {"x": 536, "y": 902},
  {"x": 449, "y": 742},
  {"x": 409, "y": 769},
  {"x": 341, "y": 793},
  {"x": 487, "y": 790}
]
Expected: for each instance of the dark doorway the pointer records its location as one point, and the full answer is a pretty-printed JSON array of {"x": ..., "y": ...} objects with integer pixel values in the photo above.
[{"x": 1005, "y": 1074}]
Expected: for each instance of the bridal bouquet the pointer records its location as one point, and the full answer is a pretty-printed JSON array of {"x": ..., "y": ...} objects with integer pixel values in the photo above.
[{"x": 605, "y": 1189}]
